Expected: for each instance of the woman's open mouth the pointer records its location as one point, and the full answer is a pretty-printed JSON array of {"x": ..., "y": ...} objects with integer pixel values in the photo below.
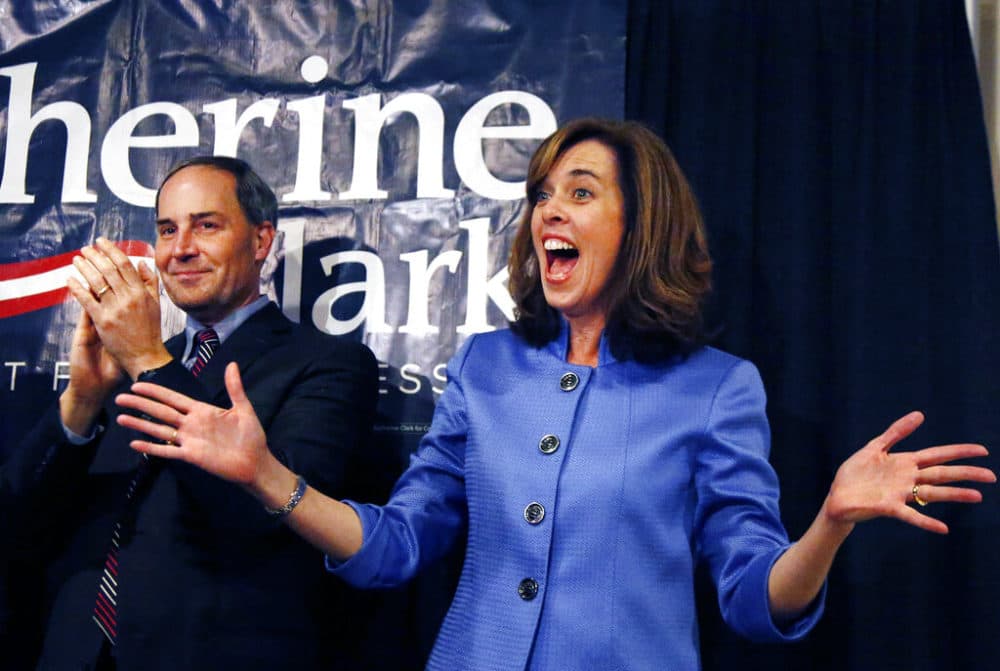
[{"x": 560, "y": 258}]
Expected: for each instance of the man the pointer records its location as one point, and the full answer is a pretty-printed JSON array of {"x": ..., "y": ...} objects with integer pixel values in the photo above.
[{"x": 198, "y": 575}]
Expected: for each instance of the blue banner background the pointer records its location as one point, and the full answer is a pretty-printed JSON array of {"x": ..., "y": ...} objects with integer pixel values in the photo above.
[{"x": 317, "y": 75}]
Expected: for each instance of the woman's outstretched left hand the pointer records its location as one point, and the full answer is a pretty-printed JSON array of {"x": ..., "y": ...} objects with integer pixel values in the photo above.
[{"x": 875, "y": 482}]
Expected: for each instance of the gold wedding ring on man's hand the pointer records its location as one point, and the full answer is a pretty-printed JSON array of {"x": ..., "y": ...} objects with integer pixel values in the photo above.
[
  {"x": 105, "y": 289},
  {"x": 915, "y": 491}
]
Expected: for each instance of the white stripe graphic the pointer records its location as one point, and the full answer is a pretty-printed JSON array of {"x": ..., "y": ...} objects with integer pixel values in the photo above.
[{"x": 50, "y": 280}]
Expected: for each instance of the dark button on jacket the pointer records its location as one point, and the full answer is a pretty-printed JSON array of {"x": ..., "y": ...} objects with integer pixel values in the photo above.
[
  {"x": 534, "y": 513},
  {"x": 528, "y": 589},
  {"x": 569, "y": 381},
  {"x": 548, "y": 444}
]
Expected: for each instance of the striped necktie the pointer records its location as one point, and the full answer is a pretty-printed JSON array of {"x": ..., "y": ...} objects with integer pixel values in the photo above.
[
  {"x": 106, "y": 605},
  {"x": 206, "y": 340}
]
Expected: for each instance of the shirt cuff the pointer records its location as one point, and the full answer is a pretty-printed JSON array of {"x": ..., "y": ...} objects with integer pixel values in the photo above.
[{"x": 76, "y": 439}]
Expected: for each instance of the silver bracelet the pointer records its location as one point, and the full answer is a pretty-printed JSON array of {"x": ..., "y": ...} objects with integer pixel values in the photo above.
[{"x": 293, "y": 499}]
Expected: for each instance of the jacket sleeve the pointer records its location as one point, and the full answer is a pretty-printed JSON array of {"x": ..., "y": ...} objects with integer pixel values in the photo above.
[
  {"x": 428, "y": 507},
  {"x": 41, "y": 480},
  {"x": 738, "y": 527}
]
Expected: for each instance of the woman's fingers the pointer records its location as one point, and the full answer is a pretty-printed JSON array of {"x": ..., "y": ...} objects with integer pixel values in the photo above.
[
  {"x": 167, "y": 407},
  {"x": 912, "y": 516},
  {"x": 939, "y": 454},
  {"x": 942, "y": 494},
  {"x": 161, "y": 449},
  {"x": 234, "y": 387},
  {"x": 176, "y": 400},
  {"x": 939, "y": 475},
  {"x": 898, "y": 430},
  {"x": 160, "y": 411},
  {"x": 165, "y": 433}
]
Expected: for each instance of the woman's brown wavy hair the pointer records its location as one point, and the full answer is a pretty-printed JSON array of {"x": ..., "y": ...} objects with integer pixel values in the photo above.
[{"x": 663, "y": 271}]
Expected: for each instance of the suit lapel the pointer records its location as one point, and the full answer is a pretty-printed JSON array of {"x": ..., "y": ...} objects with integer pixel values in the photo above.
[
  {"x": 175, "y": 346},
  {"x": 247, "y": 346}
]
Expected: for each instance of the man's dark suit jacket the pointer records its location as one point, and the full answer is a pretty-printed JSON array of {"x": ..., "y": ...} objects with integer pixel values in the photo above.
[{"x": 207, "y": 580}]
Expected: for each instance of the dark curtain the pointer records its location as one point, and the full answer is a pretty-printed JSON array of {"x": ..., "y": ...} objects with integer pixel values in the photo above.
[{"x": 839, "y": 152}]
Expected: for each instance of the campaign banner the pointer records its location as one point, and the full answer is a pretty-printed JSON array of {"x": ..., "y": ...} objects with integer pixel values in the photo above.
[{"x": 396, "y": 136}]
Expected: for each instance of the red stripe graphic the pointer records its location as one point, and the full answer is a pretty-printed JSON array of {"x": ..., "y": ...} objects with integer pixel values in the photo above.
[
  {"x": 46, "y": 299},
  {"x": 31, "y": 299}
]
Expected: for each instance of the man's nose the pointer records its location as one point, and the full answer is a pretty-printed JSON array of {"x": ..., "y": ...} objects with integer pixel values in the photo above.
[{"x": 184, "y": 244}]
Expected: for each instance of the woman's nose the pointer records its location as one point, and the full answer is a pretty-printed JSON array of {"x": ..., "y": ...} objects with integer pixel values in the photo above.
[{"x": 553, "y": 209}]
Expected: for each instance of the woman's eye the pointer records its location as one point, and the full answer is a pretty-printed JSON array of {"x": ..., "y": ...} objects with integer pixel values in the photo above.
[
  {"x": 581, "y": 193},
  {"x": 542, "y": 195}
]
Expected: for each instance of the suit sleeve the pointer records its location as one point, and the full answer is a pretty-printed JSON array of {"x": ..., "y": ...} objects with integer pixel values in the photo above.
[
  {"x": 316, "y": 401},
  {"x": 41, "y": 480},
  {"x": 738, "y": 527}
]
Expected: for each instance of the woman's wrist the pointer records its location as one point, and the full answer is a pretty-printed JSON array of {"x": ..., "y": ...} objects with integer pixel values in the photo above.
[
  {"x": 273, "y": 484},
  {"x": 293, "y": 499},
  {"x": 834, "y": 527}
]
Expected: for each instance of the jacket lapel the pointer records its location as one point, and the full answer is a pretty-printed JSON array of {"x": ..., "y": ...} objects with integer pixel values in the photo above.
[
  {"x": 175, "y": 345},
  {"x": 247, "y": 346}
]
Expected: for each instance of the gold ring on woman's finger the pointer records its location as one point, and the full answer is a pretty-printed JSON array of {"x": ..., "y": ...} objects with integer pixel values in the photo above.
[
  {"x": 172, "y": 440},
  {"x": 105, "y": 289},
  {"x": 915, "y": 491}
]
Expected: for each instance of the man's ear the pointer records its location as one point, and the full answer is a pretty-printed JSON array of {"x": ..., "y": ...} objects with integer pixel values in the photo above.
[{"x": 264, "y": 236}]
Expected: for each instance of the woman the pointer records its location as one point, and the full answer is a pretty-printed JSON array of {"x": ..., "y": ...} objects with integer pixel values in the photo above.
[{"x": 595, "y": 452}]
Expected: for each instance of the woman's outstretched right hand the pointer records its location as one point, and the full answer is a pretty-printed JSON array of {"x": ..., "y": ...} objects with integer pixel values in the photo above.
[
  {"x": 228, "y": 443},
  {"x": 232, "y": 445}
]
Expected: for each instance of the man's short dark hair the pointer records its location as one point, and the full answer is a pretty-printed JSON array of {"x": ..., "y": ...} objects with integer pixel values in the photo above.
[{"x": 256, "y": 199}]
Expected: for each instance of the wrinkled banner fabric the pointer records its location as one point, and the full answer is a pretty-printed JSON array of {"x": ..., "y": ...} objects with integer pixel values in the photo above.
[{"x": 396, "y": 136}]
